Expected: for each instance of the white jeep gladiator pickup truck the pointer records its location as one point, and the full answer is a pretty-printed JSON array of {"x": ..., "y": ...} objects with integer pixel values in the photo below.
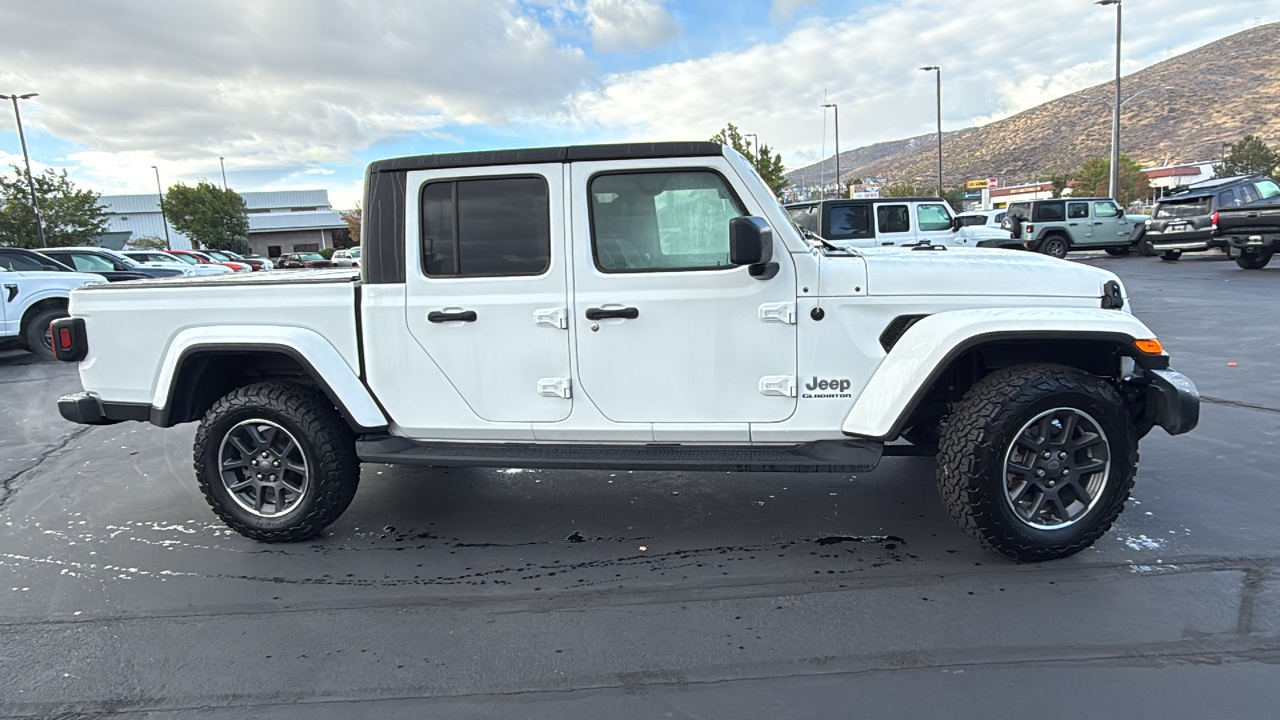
[{"x": 642, "y": 306}]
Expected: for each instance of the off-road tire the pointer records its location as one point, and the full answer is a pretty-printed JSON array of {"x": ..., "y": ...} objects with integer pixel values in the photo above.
[
  {"x": 1145, "y": 248},
  {"x": 976, "y": 439},
  {"x": 1118, "y": 251},
  {"x": 1055, "y": 246},
  {"x": 36, "y": 334},
  {"x": 1254, "y": 260},
  {"x": 1170, "y": 255},
  {"x": 326, "y": 441}
]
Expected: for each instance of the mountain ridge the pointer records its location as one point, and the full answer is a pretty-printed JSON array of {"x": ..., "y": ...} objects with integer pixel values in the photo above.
[{"x": 1221, "y": 92}]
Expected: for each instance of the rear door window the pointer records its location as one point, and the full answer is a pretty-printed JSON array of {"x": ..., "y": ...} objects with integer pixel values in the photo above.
[
  {"x": 848, "y": 222},
  {"x": 486, "y": 227},
  {"x": 1228, "y": 198},
  {"x": 1247, "y": 194},
  {"x": 893, "y": 219},
  {"x": 1077, "y": 210},
  {"x": 1050, "y": 212}
]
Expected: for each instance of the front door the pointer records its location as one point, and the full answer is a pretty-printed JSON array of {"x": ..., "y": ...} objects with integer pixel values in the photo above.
[
  {"x": 1108, "y": 227},
  {"x": 933, "y": 223},
  {"x": 666, "y": 330},
  {"x": 488, "y": 300}
]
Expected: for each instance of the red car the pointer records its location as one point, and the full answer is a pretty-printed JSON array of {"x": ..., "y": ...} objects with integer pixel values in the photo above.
[
  {"x": 225, "y": 256},
  {"x": 207, "y": 260}
]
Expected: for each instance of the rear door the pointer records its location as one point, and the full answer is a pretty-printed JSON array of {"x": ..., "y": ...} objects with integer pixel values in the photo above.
[
  {"x": 893, "y": 224},
  {"x": 487, "y": 300},
  {"x": 1079, "y": 224},
  {"x": 665, "y": 329}
]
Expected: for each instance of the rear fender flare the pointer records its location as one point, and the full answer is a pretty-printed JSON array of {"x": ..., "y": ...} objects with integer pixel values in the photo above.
[
  {"x": 929, "y": 346},
  {"x": 310, "y": 349}
]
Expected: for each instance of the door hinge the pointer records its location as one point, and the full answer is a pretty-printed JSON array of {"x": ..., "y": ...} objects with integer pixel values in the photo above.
[
  {"x": 778, "y": 385},
  {"x": 783, "y": 312},
  {"x": 555, "y": 387},
  {"x": 557, "y": 318}
]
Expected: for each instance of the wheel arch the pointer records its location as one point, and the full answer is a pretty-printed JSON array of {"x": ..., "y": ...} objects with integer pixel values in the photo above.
[
  {"x": 197, "y": 374},
  {"x": 49, "y": 303},
  {"x": 924, "y": 371}
]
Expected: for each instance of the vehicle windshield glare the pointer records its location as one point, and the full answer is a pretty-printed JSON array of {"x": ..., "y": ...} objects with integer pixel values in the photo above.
[
  {"x": 1267, "y": 189},
  {"x": 308, "y": 257}
]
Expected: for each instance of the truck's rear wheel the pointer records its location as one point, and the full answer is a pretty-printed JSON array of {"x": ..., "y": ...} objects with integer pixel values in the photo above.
[
  {"x": 1037, "y": 461},
  {"x": 1254, "y": 259},
  {"x": 276, "y": 461},
  {"x": 1170, "y": 255}
]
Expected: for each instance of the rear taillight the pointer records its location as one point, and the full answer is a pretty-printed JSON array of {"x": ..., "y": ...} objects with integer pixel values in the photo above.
[
  {"x": 1215, "y": 218},
  {"x": 1029, "y": 228},
  {"x": 70, "y": 343}
]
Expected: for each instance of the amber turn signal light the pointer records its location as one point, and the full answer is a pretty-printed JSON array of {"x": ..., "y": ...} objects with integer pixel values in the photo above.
[{"x": 1149, "y": 347}]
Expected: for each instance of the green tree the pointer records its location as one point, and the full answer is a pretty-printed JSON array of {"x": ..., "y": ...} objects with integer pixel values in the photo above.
[
  {"x": 1061, "y": 181},
  {"x": 903, "y": 190},
  {"x": 71, "y": 216},
  {"x": 212, "y": 217},
  {"x": 1094, "y": 180},
  {"x": 1249, "y": 156},
  {"x": 148, "y": 242},
  {"x": 766, "y": 162}
]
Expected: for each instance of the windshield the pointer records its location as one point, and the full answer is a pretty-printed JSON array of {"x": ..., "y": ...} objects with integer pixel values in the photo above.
[
  {"x": 1189, "y": 207},
  {"x": 186, "y": 259},
  {"x": 306, "y": 257},
  {"x": 120, "y": 257},
  {"x": 218, "y": 255}
]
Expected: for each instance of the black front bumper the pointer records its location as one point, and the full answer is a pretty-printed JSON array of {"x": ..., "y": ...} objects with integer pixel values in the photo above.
[
  {"x": 1172, "y": 402},
  {"x": 88, "y": 409}
]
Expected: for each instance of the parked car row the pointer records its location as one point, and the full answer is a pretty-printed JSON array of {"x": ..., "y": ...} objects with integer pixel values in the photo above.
[{"x": 1188, "y": 220}]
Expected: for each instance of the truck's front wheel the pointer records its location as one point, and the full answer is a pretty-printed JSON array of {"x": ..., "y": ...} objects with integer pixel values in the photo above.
[
  {"x": 276, "y": 461},
  {"x": 1037, "y": 461}
]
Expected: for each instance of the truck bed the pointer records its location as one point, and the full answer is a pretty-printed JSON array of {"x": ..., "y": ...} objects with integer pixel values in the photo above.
[{"x": 132, "y": 327}]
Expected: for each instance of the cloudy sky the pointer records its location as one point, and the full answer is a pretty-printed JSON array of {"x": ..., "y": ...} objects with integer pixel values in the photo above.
[{"x": 304, "y": 93}]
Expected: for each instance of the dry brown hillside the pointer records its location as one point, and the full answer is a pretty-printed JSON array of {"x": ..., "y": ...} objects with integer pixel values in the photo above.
[{"x": 1222, "y": 91}]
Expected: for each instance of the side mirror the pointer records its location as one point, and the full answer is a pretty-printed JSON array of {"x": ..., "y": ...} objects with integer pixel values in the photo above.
[
  {"x": 1121, "y": 211},
  {"x": 750, "y": 241},
  {"x": 955, "y": 224}
]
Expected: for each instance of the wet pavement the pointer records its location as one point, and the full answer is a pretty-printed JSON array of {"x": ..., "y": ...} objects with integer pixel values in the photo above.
[{"x": 484, "y": 593}]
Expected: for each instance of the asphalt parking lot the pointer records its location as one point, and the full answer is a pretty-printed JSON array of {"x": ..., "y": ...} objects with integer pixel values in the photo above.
[{"x": 476, "y": 593}]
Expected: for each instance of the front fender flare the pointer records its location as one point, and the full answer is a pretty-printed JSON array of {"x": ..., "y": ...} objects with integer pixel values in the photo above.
[
  {"x": 926, "y": 349},
  {"x": 315, "y": 353}
]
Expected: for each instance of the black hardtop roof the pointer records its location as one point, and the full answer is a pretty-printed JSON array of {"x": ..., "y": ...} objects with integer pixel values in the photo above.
[
  {"x": 828, "y": 201},
  {"x": 1066, "y": 198},
  {"x": 1211, "y": 186},
  {"x": 529, "y": 156}
]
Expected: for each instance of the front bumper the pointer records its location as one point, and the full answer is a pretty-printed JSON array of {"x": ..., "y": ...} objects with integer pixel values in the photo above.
[
  {"x": 1172, "y": 402},
  {"x": 88, "y": 409}
]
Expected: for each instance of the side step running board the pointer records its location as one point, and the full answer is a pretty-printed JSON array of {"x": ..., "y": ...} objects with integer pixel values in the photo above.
[{"x": 835, "y": 456}]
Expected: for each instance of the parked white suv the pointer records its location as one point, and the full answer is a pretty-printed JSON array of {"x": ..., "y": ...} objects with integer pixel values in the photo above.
[
  {"x": 347, "y": 258},
  {"x": 32, "y": 300},
  {"x": 645, "y": 306},
  {"x": 886, "y": 222}
]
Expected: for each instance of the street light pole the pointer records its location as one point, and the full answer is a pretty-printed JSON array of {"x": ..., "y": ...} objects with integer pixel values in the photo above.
[
  {"x": 755, "y": 148},
  {"x": 164, "y": 217},
  {"x": 31, "y": 185},
  {"x": 937, "y": 69},
  {"x": 223, "y": 164},
  {"x": 1115, "y": 115},
  {"x": 837, "y": 109}
]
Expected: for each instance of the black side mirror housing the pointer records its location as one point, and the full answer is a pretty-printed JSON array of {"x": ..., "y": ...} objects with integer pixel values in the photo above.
[
  {"x": 750, "y": 241},
  {"x": 1121, "y": 211},
  {"x": 955, "y": 224}
]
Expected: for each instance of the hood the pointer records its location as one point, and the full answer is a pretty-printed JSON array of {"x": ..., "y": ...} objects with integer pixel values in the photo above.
[
  {"x": 59, "y": 277},
  {"x": 975, "y": 272}
]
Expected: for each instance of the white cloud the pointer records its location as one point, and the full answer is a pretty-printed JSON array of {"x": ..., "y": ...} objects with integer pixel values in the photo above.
[
  {"x": 275, "y": 85},
  {"x": 998, "y": 58},
  {"x": 629, "y": 24}
]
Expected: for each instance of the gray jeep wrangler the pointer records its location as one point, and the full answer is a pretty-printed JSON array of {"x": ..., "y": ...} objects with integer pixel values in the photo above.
[{"x": 1057, "y": 226}]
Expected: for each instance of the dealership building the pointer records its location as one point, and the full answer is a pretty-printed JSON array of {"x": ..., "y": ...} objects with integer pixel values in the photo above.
[{"x": 279, "y": 222}]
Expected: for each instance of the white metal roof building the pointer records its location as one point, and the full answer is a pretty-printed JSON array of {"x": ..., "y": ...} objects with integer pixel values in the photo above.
[{"x": 279, "y": 221}]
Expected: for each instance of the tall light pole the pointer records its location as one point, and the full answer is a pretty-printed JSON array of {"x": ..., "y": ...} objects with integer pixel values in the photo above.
[
  {"x": 1115, "y": 115},
  {"x": 837, "y": 109},
  {"x": 31, "y": 185},
  {"x": 756, "y": 147},
  {"x": 164, "y": 217},
  {"x": 937, "y": 70},
  {"x": 222, "y": 162}
]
